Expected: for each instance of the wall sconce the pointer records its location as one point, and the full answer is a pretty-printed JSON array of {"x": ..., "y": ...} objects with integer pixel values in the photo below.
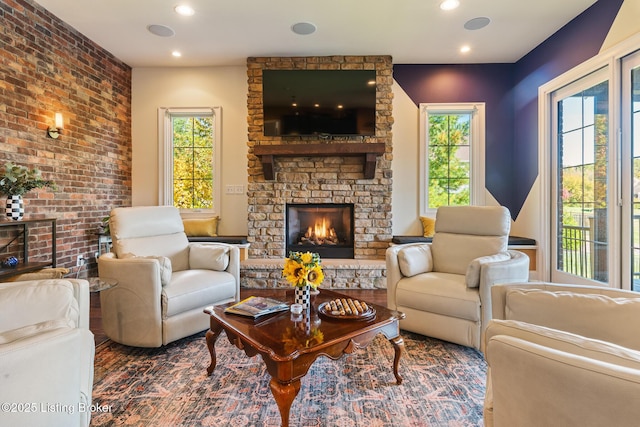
[{"x": 54, "y": 132}]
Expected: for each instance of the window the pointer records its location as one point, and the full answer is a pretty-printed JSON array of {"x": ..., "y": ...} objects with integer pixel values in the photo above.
[
  {"x": 451, "y": 155},
  {"x": 190, "y": 158}
]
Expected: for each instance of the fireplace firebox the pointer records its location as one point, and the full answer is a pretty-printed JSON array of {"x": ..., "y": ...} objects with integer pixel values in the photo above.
[{"x": 325, "y": 228}]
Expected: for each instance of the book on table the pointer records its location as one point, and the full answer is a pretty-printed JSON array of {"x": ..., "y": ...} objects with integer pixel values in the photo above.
[{"x": 257, "y": 306}]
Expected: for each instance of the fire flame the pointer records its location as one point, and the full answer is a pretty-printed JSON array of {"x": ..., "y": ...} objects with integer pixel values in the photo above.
[{"x": 321, "y": 232}]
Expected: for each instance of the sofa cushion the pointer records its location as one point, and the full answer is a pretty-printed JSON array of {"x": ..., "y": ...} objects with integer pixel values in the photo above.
[
  {"x": 475, "y": 266},
  {"x": 565, "y": 341},
  {"x": 190, "y": 289},
  {"x": 452, "y": 253},
  {"x": 415, "y": 259},
  {"x": 201, "y": 227},
  {"x": 210, "y": 257},
  {"x": 35, "y": 329},
  {"x": 47, "y": 300},
  {"x": 474, "y": 220},
  {"x": 150, "y": 230},
  {"x": 595, "y": 316},
  {"x": 163, "y": 262},
  {"x": 440, "y": 293}
]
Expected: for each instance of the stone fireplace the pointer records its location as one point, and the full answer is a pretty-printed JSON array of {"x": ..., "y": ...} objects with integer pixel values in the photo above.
[{"x": 337, "y": 171}]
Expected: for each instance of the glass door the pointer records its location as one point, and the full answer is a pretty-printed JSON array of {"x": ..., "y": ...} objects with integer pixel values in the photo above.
[
  {"x": 631, "y": 172},
  {"x": 581, "y": 195}
]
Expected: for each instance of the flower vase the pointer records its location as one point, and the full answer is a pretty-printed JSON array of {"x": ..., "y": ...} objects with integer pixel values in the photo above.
[
  {"x": 303, "y": 296},
  {"x": 15, "y": 207}
]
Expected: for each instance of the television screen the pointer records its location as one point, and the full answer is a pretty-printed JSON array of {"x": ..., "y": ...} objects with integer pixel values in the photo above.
[{"x": 319, "y": 102}]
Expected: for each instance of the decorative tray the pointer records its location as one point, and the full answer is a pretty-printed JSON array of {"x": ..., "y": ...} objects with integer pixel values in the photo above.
[{"x": 346, "y": 309}]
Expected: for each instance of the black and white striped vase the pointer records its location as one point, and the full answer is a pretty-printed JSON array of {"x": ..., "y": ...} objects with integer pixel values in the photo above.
[
  {"x": 15, "y": 208},
  {"x": 303, "y": 296}
]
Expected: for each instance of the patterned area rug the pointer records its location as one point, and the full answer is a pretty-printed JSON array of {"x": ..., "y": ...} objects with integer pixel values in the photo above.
[{"x": 443, "y": 386}]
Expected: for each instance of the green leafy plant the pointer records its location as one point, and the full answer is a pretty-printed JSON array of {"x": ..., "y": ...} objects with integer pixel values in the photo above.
[{"x": 17, "y": 180}]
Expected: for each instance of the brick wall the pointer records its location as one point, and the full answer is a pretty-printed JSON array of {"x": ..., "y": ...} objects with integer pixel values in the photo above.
[
  {"x": 47, "y": 67},
  {"x": 332, "y": 179}
]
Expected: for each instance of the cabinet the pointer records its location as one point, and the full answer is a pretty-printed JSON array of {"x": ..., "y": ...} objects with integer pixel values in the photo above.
[{"x": 19, "y": 231}]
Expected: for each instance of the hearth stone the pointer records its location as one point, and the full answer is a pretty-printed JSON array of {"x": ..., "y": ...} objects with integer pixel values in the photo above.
[{"x": 338, "y": 273}]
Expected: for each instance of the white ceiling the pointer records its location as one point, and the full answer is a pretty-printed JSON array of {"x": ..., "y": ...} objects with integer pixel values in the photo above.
[{"x": 226, "y": 32}]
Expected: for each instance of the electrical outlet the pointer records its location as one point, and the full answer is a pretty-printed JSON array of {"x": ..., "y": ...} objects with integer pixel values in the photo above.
[{"x": 80, "y": 261}]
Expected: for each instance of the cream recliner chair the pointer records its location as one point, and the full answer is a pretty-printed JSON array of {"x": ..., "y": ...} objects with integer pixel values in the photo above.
[
  {"x": 563, "y": 355},
  {"x": 444, "y": 287},
  {"x": 46, "y": 353},
  {"x": 164, "y": 282}
]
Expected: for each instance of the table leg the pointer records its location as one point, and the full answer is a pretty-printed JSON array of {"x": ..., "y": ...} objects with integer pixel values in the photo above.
[
  {"x": 284, "y": 395},
  {"x": 211, "y": 336},
  {"x": 398, "y": 346}
]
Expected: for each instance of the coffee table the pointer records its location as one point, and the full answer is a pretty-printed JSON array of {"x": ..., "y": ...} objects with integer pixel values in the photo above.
[{"x": 289, "y": 344}]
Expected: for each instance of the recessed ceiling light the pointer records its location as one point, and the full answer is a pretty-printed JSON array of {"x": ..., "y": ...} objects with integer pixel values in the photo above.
[
  {"x": 184, "y": 10},
  {"x": 477, "y": 23},
  {"x": 465, "y": 49},
  {"x": 303, "y": 28},
  {"x": 176, "y": 54},
  {"x": 161, "y": 30},
  {"x": 449, "y": 4}
]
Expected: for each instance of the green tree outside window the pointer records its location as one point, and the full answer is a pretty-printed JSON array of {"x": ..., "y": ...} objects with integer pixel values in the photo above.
[
  {"x": 449, "y": 160},
  {"x": 192, "y": 162}
]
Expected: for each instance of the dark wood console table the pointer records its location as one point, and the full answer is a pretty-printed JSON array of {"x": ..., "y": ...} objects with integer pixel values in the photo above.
[{"x": 23, "y": 228}]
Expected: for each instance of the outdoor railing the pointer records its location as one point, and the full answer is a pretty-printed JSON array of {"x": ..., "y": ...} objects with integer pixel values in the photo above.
[
  {"x": 577, "y": 256},
  {"x": 578, "y": 251}
]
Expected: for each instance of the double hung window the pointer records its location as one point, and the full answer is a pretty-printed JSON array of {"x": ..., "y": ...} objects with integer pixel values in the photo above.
[
  {"x": 190, "y": 158},
  {"x": 451, "y": 155}
]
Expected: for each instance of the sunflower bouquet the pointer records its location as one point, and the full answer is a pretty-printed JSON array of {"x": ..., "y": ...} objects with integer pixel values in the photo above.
[{"x": 303, "y": 268}]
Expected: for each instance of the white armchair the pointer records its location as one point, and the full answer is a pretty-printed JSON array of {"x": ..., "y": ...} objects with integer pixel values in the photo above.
[
  {"x": 444, "y": 287},
  {"x": 163, "y": 281},
  {"x": 563, "y": 355},
  {"x": 46, "y": 353}
]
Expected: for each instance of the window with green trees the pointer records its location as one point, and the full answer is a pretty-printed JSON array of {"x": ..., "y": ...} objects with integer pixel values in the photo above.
[
  {"x": 192, "y": 162},
  {"x": 452, "y": 155},
  {"x": 449, "y": 156},
  {"x": 190, "y": 158}
]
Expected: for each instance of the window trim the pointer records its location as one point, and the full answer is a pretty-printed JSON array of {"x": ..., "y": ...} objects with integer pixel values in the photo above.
[
  {"x": 477, "y": 152},
  {"x": 165, "y": 155}
]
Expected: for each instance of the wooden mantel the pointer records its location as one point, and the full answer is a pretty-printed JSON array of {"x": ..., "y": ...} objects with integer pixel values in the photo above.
[{"x": 369, "y": 151}]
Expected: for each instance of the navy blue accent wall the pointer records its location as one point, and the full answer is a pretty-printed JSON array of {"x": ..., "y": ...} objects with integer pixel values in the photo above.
[
  {"x": 573, "y": 44},
  {"x": 488, "y": 83},
  {"x": 510, "y": 92}
]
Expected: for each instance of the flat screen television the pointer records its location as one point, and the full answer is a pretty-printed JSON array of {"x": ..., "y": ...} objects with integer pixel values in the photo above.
[{"x": 319, "y": 102}]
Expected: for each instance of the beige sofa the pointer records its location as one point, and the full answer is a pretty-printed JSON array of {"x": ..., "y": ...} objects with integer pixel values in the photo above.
[
  {"x": 163, "y": 281},
  {"x": 563, "y": 355},
  {"x": 444, "y": 287},
  {"x": 46, "y": 353}
]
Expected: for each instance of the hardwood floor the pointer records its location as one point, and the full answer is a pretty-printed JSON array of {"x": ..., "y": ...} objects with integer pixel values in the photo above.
[{"x": 375, "y": 296}]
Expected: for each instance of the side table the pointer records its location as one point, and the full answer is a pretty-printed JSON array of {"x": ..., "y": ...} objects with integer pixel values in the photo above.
[{"x": 97, "y": 284}]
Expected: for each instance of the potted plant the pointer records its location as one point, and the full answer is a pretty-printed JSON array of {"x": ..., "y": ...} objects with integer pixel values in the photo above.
[{"x": 16, "y": 181}]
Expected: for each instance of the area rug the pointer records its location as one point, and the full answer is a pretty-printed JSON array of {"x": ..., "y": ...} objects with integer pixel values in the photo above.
[{"x": 443, "y": 386}]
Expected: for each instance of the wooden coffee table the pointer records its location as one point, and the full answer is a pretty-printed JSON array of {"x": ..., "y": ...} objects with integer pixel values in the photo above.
[{"x": 289, "y": 344}]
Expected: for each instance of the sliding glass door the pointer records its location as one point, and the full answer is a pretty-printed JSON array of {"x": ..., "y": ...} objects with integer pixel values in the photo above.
[
  {"x": 581, "y": 178},
  {"x": 595, "y": 177},
  {"x": 631, "y": 171}
]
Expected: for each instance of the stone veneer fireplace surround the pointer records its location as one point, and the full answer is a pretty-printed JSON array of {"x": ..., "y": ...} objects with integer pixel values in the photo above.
[{"x": 320, "y": 178}]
